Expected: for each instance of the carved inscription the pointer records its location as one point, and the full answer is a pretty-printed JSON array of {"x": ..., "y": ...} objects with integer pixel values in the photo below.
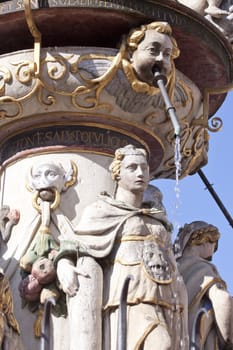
[
  {"x": 155, "y": 11},
  {"x": 87, "y": 137}
]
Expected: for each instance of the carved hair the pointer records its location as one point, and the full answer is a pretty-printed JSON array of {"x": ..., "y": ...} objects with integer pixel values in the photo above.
[
  {"x": 120, "y": 154},
  {"x": 195, "y": 233},
  {"x": 136, "y": 36},
  {"x": 209, "y": 233}
]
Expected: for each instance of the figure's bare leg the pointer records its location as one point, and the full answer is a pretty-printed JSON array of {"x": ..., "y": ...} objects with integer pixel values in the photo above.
[
  {"x": 152, "y": 329},
  {"x": 85, "y": 308},
  {"x": 214, "y": 10},
  {"x": 158, "y": 339}
]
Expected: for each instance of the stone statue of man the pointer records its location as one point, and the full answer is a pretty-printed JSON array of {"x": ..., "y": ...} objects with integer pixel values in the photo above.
[
  {"x": 210, "y": 304},
  {"x": 125, "y": 238}
]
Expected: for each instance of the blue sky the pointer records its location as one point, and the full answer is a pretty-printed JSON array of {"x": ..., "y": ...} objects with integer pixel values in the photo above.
[{"x": 196, "y": 203}]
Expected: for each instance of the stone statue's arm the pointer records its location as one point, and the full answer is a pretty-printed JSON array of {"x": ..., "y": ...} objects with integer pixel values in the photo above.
[
  {"x": 223, "y": 309},
  {"x": 65, "y": 263},
  {"x": 67, "y": 276}
]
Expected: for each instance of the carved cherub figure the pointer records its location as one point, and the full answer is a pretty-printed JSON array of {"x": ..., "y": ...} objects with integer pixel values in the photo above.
[
  {"x": 148, "y": 48},
  {"x": 152, "y": 46}
]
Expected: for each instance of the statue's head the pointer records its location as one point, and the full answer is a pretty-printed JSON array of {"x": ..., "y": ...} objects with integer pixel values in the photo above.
[
  {"x": 196, "y": 233},
  {"x": 153, "y": 198},
  {"x": 130, "y": 167},
  {"x": 151, "y": 46}
]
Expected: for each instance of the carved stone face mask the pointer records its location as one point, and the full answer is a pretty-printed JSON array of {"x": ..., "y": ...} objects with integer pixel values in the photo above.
[
  {"x": 156, "y": 263},
  {"x": 48, "y": 176}
]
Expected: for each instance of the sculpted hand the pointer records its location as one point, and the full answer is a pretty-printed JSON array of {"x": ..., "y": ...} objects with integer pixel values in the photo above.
[{"x": 68, "y": 276}]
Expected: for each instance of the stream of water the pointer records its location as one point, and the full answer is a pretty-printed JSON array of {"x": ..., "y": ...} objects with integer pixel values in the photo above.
[{"x": 177, "y": 159}]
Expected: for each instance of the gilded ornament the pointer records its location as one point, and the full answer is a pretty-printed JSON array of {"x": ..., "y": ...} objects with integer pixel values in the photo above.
[
  {"x": 215, "y": 124},
  {"x": 24, "y": 72},
  {"x": 5, "y": 77}
]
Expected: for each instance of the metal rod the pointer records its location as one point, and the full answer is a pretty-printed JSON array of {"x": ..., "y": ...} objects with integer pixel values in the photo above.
[
  {"x": 160, "y": 80},
  {"x": 45, "y": 333},
  {"x": 35, "y": 68},
  {"x": 122, "y": 320},
  {"x": 193, "y": 345},
  {"x": 216, "y": 197}
]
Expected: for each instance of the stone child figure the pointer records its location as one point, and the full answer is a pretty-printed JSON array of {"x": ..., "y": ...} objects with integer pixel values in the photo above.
[
  {"x": 153, "y": 45},
  {"x": 127, "y": 239},
  {"x": 195, "y": 245},
  {"x": 150, "y": 47}
]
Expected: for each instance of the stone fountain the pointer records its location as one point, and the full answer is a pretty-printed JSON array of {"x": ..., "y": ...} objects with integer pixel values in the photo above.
[{"x": 69, "y": 95}]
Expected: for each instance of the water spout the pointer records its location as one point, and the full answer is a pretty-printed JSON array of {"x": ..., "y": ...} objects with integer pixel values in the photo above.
[{"x": 160, "y": 81}]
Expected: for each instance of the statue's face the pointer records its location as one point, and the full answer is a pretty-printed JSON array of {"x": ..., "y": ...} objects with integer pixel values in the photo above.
[
  {"x": 154, "y": 49},
  {"x": 134, "y": 173},
  {"x": 48, "y": 176},
  {"x": 206, "y": 250}
]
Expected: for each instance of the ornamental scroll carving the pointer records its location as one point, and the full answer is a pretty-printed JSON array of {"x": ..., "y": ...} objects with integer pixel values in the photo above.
[{"x": 108, "y": 84}]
